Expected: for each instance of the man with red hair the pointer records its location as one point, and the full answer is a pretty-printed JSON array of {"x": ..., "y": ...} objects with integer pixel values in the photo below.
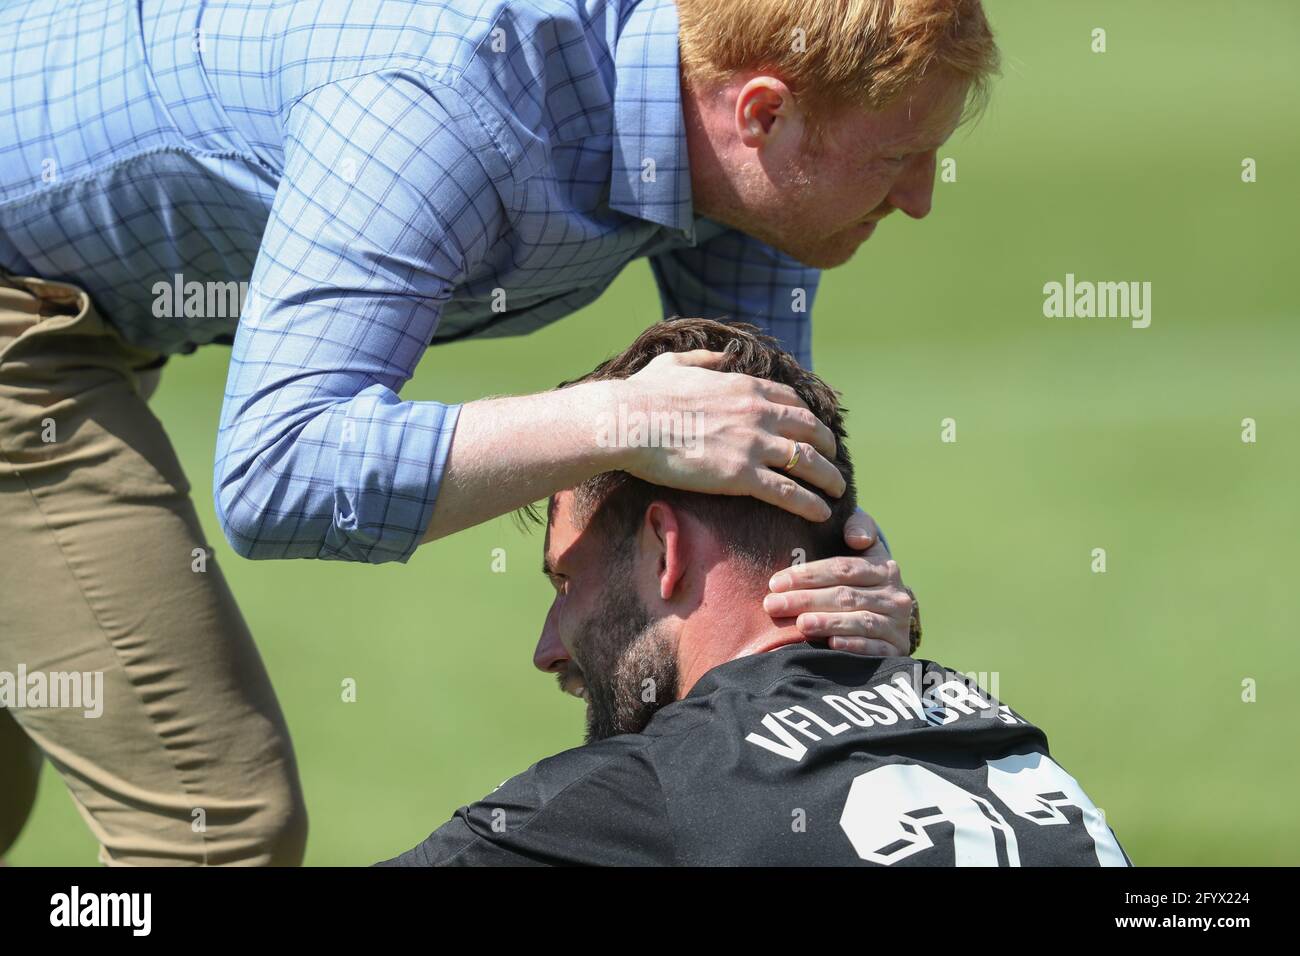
[{"x": 382, "y": 178}]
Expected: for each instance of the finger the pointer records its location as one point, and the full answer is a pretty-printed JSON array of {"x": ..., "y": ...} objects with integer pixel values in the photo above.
[
  {"x": 778, "y": 393},
  {"x": 852, "y": 624},
  {"x": 828, "y": 572},
  {"x": 879, "y": 551},
  {"x": 799, "y": 424},
  {"x": 783, "y": 491},
  {"x": 860, "y": 531},
  {"x": 885, "y": 601},
  {"x": 811, "y": 466},
  {"x": 700, "y": 358},
  {"x": 866, "y": 646}
]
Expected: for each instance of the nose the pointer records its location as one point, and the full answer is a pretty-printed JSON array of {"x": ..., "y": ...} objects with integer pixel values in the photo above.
[
  {"x": 913, "y": 190},
  {"x": 550, "y": 655}
]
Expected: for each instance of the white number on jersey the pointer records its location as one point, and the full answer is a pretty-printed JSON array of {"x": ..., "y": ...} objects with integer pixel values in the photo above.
[{"x": 890, "y": 809}]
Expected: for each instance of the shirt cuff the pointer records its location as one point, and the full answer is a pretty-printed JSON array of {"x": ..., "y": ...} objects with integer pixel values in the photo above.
[{"x": 391, "y": 458}]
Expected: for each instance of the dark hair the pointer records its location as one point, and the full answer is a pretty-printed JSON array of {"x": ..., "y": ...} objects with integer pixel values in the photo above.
[{"x": 756, "y": 533}]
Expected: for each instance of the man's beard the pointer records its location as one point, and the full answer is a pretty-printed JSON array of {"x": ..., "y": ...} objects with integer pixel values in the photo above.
[{"x": 629, "y": 665}]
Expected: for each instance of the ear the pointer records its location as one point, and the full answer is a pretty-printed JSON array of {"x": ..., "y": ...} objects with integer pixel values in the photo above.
[
  {"x": 662, "y": 543},
  {"x": 766, "y": 109}
]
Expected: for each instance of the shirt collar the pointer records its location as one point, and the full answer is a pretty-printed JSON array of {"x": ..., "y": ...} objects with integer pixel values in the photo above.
[{"x": 651, "y": 177}]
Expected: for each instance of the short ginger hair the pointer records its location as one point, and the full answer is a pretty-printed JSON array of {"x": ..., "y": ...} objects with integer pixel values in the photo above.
[{"x": 839, "y": 53}]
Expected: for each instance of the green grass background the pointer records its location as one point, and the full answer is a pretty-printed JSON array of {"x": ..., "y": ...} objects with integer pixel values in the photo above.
[{"x": 1072, "y": 435}]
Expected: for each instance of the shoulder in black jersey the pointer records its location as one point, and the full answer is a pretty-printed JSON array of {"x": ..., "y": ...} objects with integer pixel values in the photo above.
[{"x": 796, "y": 757}]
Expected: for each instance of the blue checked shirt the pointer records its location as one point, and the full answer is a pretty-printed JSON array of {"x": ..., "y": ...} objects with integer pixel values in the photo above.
[{"x": 386, "y": 175}]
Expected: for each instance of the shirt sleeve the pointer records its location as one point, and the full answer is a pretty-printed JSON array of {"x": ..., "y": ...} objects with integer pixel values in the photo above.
[
  {"x": 388, "y": 196},
  {"x": 732, "y": 276},
  {"x": 599, "y": 805}
]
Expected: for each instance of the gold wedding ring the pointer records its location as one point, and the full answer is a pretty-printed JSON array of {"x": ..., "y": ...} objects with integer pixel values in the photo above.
[{"x": 794, "y": 458}]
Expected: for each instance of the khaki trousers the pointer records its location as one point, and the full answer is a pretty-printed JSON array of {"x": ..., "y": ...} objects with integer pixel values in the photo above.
[{"x": 104, "y": 571}]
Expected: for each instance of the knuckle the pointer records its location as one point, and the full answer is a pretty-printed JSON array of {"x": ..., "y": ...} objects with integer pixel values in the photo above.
[
  {"x": 843, "y": 568},
  {"x": 846, "y": 598}
]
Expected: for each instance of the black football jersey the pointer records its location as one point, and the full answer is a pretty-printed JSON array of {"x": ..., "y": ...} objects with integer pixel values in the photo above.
[{"x": 801, "y": 756}]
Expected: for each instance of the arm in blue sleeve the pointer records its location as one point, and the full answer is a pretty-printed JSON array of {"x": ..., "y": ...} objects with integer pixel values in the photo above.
[
  {"x": 735, "y": 277},
  {"x": 384, "y": 203}
]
